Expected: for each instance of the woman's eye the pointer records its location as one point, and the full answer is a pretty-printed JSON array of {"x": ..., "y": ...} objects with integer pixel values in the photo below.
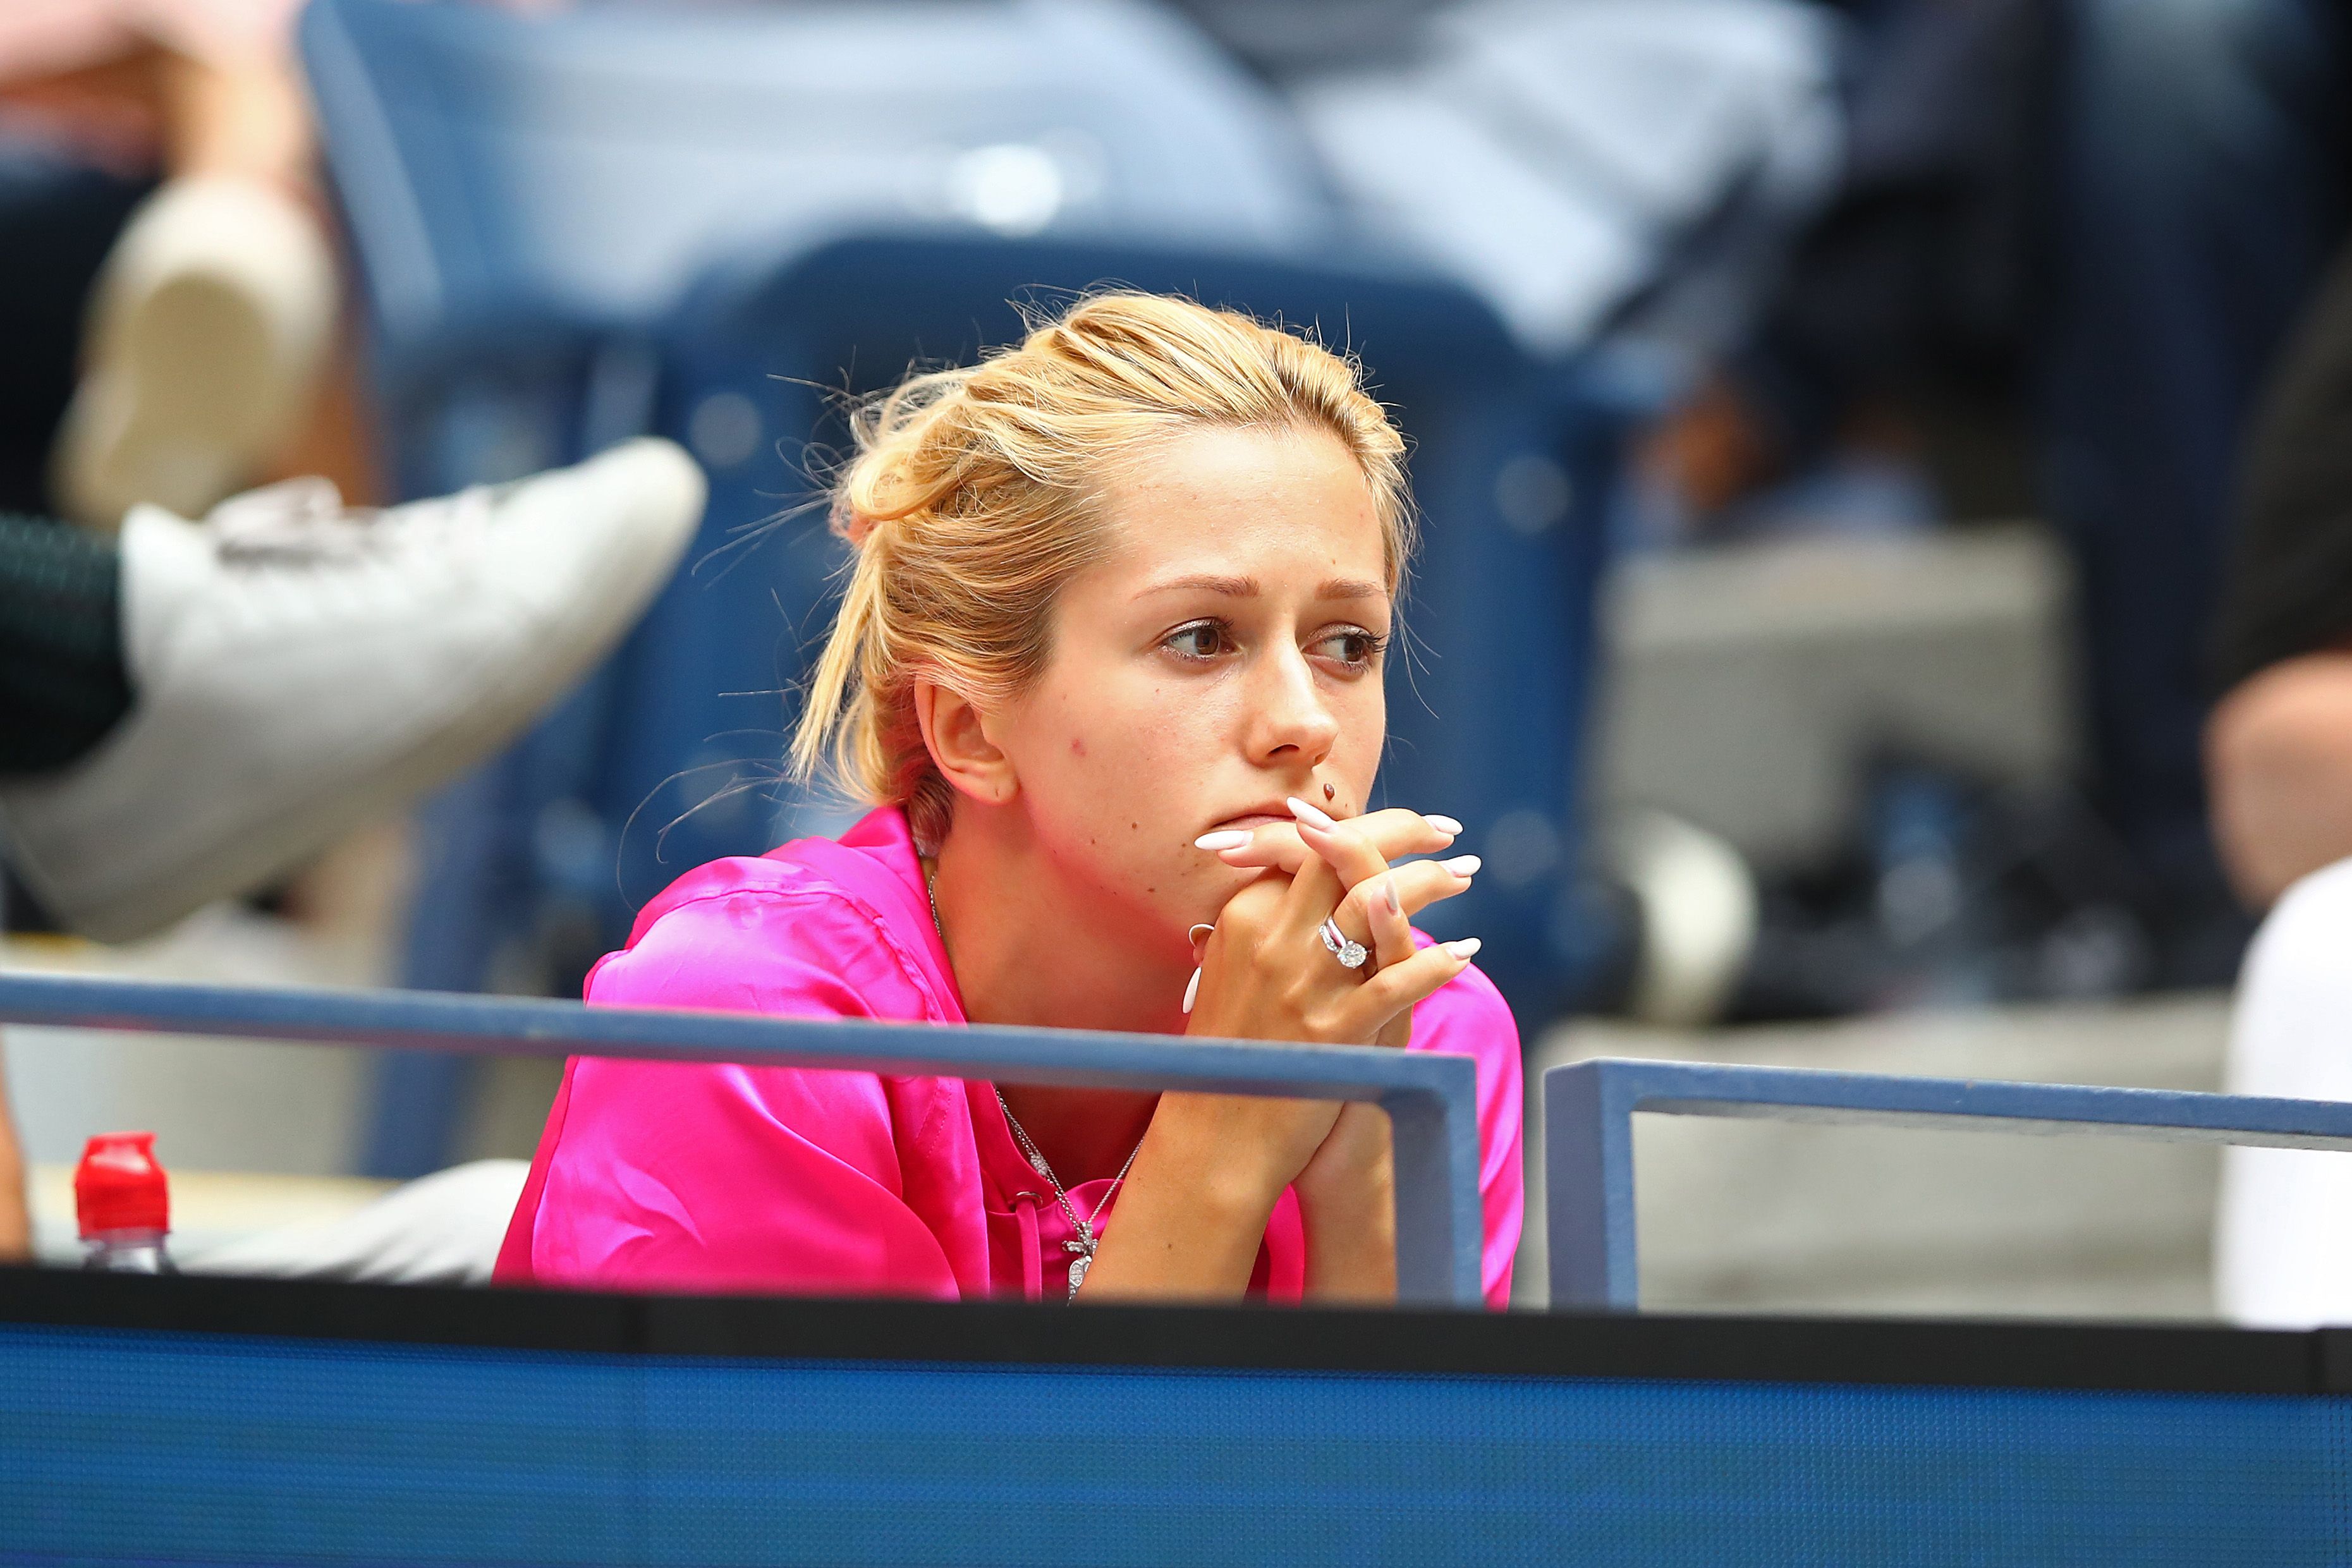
[
  {"x": 1202, "y": 640},
  {"x": 1355, "y": 647}
]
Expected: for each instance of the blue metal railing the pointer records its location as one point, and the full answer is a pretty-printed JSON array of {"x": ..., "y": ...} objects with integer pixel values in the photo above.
[
  {"x": 1432, "y": 1099},
  {"x": 1589, "y": 1109}
]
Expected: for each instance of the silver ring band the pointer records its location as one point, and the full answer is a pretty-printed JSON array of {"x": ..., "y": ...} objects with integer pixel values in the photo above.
[{"x": 1351, "y": 954}]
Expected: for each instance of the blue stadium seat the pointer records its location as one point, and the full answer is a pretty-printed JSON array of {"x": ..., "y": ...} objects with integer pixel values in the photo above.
[{"x": 519, "y": 189}]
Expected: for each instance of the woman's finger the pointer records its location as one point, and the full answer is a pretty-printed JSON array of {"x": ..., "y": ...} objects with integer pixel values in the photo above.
[
  {"x": 1397, "y": 987},
  {"x": 1418, "y": 883},
  {"x": 1395, "y": 833},
  {"x": 1383, "y": 911},
  {"x": 1347, "y": 854}
]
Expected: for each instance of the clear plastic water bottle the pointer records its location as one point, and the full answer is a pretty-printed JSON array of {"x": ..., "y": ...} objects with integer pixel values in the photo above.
[{"x": 124, "y": 1203}]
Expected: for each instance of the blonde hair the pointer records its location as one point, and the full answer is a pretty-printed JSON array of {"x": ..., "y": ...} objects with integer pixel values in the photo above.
[{"x": 974, "y": 495}]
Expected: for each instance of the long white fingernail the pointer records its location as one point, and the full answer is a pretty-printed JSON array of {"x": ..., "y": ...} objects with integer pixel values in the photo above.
[
  {"x": 1464, "y": 865},
  {"x": 1388, "y": 892},
  {"x": 1465, "y": 948},
  {"x": 1191, "y": 990},
  {"x": 1313, "y": 816},
  {"x": 1445, "y": 825},
  {"x": 1223, "y": 839}
]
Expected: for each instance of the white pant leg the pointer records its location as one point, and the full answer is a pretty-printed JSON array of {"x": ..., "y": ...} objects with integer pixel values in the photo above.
[
  {"x": 2283, "y": 1241},
  {"x": 440, "y": 1229}
]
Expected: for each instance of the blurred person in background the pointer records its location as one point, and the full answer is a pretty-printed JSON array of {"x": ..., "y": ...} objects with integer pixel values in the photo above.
[
  {"x": 2279, "y": 746},
  {"x": 2095, "y": 219},
  {"x": 160, "y": 196},
  {"x": 191, "y": 710}
]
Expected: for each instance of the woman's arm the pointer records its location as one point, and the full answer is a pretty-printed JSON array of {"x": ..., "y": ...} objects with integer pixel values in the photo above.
[
  {"x": 1195, "y": 1206},
  {"x": 1211, "y": 1167},
  {"x": 1347, "y": 1200},
  {"x": 15, "y": 1221}
]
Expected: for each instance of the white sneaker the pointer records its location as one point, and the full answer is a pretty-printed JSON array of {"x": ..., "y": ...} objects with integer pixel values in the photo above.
[
  {"x": 208, "y": 326},
  {"x": 298, "y": 669}
]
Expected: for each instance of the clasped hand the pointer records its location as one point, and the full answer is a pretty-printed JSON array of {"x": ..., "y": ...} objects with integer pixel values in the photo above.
[{"x": 1266, "y": 974}]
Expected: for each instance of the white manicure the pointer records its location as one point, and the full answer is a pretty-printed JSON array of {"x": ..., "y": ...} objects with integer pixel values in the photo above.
[
  {"x": 1464, "y": 865},
  {"x": 1226, "y": 839},
  {"x": 1445, "y": 825},
  {"x": 1313, "y": 816},
  {"x": 1191, "y": 990},
  {"x": 1388, "y": 889},
  {"x": 1465, "y": 948}
]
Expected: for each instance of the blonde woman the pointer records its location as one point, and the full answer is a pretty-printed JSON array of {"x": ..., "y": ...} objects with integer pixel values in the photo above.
[{"x": 1109, "y": 668}]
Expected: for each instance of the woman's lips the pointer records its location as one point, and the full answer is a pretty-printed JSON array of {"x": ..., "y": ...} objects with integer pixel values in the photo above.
[{"x": 1254, "y": 819}]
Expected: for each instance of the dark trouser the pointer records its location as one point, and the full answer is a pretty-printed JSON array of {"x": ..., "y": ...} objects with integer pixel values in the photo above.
[
  {"x": 2199, "y": 178},
  {"x": 58, "y": 220}
]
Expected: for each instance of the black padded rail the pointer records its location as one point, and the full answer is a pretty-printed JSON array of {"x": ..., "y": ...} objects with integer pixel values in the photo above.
[{"x": 1881, "y": 1351}]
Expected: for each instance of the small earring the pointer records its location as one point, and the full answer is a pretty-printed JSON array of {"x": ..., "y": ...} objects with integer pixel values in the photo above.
[{"x": 1200, "y": 927}]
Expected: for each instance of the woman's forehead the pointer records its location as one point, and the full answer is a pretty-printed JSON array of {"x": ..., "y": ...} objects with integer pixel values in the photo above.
[{"x": 1247, "y": 503}]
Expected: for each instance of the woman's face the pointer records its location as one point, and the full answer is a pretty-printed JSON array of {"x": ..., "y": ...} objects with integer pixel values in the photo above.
[{"x": 1227, "y": 653}]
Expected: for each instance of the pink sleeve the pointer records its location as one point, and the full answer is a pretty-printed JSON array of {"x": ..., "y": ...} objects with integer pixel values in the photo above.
[
  {"x": 670, "y": 1176},
  {"x": 1469, "y": 1017}
]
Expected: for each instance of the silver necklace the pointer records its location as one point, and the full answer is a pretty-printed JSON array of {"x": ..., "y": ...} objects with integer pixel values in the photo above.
[
  {"x": 1086, "y": 1240},
  {"x": 1085, "y": 1243}
]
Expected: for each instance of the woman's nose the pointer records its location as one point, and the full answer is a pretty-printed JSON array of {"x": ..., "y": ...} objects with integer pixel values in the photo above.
[{"x": 1291, "y": 713}]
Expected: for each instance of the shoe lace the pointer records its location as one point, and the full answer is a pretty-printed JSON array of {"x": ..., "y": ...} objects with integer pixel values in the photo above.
[{"x": 305, "y": 521}]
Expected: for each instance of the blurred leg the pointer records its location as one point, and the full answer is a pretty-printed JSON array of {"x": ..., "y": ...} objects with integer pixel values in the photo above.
[
  {"x": 2198, "y": 195},
  {"x": 57, "y": 219},
  {"x": 63, "y": 685},
  {"x": 245, "y": 117},
  {"x": 215, "y": 312}
]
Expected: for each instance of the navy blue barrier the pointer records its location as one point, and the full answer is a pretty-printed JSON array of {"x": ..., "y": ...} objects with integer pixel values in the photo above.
[
  {"x": 1588, "y": 1109},
  {"x": 192, "y": 1420},
  {"x": 1430, "y": 1099}
]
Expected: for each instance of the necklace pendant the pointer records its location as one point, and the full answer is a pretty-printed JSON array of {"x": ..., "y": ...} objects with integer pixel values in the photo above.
[{"x": 1079, "y": 1266}]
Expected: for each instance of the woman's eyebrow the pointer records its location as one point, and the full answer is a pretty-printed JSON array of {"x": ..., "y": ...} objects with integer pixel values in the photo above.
[
  {"x": 1232, "y": 586},
  {"x": 1248, "y": 588}
]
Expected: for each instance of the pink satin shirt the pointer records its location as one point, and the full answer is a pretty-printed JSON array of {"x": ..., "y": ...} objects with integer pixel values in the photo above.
[{"x": 672, "y": 1176}]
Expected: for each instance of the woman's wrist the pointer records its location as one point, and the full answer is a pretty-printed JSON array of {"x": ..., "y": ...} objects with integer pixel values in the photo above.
[
  {"x": 1347, "y": 1204},
  {"x": 1194, "y": 1139},
  {"x": 1190, "y": 1218},
  {"x": 1350, "y": 1236}
]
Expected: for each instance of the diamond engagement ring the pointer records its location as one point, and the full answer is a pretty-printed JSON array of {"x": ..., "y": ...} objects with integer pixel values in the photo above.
[{"x": 1351, "y": 955}]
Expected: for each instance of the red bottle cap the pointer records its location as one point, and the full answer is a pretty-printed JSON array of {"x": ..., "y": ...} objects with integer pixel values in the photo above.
[{"x": 119, "y": 1186}]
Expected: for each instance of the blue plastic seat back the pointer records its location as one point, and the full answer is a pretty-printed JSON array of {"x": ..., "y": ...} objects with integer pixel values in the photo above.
[
  {"x": 1486, "y": 710},
  {"x": 499, "y": 168}
]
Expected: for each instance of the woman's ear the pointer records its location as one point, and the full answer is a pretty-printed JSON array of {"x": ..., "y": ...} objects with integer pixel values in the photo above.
[{"x": 955, "y": 732}]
